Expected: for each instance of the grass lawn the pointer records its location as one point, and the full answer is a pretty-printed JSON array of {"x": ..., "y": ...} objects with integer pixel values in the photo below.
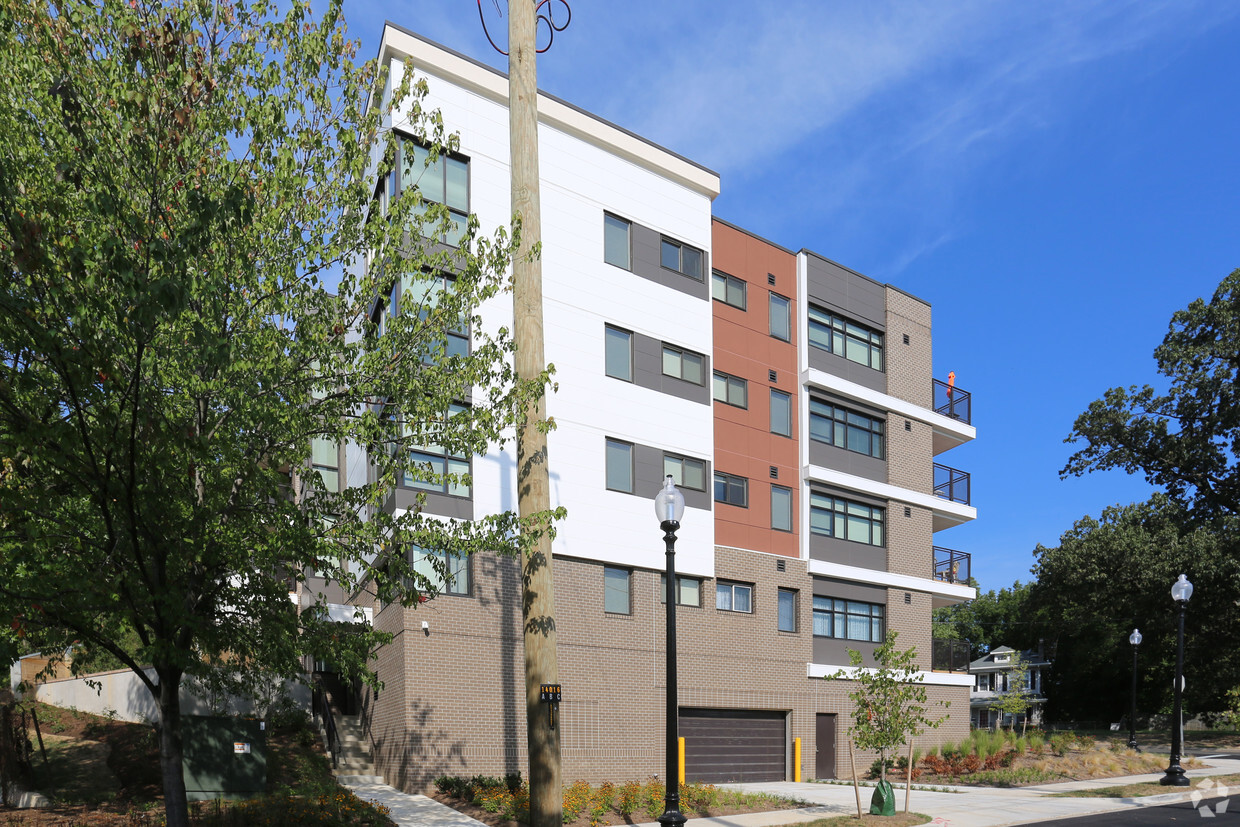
[
  {"x": 897, "y": 820},
  {"x": 1152, "y": 788}
]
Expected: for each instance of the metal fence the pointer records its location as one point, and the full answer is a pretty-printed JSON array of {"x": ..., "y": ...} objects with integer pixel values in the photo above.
[{"x": 949, "y": 655}]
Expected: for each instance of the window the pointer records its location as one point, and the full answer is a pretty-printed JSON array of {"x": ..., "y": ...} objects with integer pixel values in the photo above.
[
  {"x": 444, "y": 180},
  {"x": 781, "y": 413},
  {"x": 848, "y": 429},
  {"x": 787, "y": 610},
  {"x": 616, "y": 591},
  {"x": 731, "y": 389},
  {"x": 433, "y": 463},
  {"x": 837, "y": 335},
  {"x": 683, "y": 364},
  {"x": 781, "y": 508},
  {"x": 616, "y": 232},
  {"x": 689, "y": 591},
  {"x": 618, "y": 353},
  {"x": 448, "y": 573},
  {"x": 422, "y": 294},
  {"x": 781, "y": 317},
  {"x": 681, "y": 258},
  {"x": 727, "y": 289},
  {"x": 619, "y": 466},
  {"x": 733, "y": 597},
  {"x": 731, "y": 489},
  {"x": 848, "y": 619},
  {"x": 325, "y": 458},
  {"x": 836, "y": 517},
  {"x": 685, "y": 472}
]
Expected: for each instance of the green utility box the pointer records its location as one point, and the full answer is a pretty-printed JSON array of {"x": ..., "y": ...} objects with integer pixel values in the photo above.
[{"x": 223, "y": 757}]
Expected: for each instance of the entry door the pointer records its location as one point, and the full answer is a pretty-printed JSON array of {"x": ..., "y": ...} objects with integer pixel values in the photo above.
[{"x": 824, "y": 739}]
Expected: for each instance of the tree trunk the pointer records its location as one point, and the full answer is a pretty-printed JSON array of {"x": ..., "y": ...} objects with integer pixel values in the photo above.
[{"x": 176, "y": 806}]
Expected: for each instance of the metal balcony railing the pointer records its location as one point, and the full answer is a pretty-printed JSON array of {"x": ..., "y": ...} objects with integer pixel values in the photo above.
[
  {"x": 951, "y": 566},
  {"x": 953, "y": 402},
  {"x": 949, "y": 655},
  {"x": 951, "y": 484}
]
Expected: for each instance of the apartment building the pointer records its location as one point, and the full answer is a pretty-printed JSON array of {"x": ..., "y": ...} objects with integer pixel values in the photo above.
[{"x": 792, "y": 400}]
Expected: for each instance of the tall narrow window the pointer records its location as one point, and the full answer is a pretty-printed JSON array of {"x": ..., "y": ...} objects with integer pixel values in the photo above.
[
  {"x": 618, "y": 353},
  {"x": 781, "y": 319},
  {"x": 781, "y": 413},
  {"x": 619, "y": 466},
  {"x": 787, "y": 610},
  {"x": 444, "y": 180},
  {"x": 781, "y": 508},
  {"x": 326, "y": 461},
  {"x": 616, "y": 241},
  {"x": 616, "y": 592}
]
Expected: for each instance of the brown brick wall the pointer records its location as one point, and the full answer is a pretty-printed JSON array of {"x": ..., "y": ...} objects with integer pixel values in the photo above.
[
  {"x": 909, "y": 367},
  {"x": 909, "y": 540},
  {"x": 453, "y": 702}
]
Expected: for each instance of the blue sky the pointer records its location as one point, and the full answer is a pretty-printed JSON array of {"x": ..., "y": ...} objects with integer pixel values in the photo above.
[{"x": 1055, "y": 178}]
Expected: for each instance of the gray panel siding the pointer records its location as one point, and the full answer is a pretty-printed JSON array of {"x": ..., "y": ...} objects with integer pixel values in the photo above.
[
  {"x": 850, "y": 462},
  {"x": 852, "y": 294},
  {"x": 648, "y": 372},
  {"x": 461, "y": 508},
  {"x": 867, "y": 377},
  {"x": 648, "y": 477},
  {"x": 848, "y": 590},
  {"x": 646, "y": 262},
  {"x": 833, "y": 651},
  {"x": 847, "y": 552}
]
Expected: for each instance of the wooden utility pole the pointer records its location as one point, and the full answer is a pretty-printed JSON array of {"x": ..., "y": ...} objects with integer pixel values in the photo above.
[{"x": 533, "y": 485}]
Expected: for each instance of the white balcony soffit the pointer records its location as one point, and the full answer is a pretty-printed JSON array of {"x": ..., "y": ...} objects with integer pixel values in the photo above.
[
  {"x": 948, "y": 432},
  {"x": 946, "y": 512},
  {"x": 942, "y": 593},
  {"x": 437, "y": 60},
  {"x": 822, "y": 670}
]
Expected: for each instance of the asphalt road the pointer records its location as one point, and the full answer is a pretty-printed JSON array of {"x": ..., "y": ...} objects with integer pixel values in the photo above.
[{"x": 1184, "y": 813}]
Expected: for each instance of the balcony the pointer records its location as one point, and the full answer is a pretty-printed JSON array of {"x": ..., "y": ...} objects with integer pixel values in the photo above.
[
  {"x": 951, "y": 566},
  {"x": 949, "y": 655},
  {"x": 953, "y": 402},
  {"x": 951, "y": 484}
]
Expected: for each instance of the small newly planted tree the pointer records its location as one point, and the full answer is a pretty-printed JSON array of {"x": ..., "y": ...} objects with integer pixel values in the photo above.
[
  {"x": 1017, "y": 698},
  {"x": 890, "y": 704}
]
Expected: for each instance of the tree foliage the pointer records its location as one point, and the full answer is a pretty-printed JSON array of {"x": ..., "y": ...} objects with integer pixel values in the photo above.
[
  {"x": 1111, "y": 574},
  {"x": 179, "y": 184},
  {"x": 1186, "y": 440},
  {"x": 889, "y": 701},
  {"x": 1003, "y": 617},
  {"x": 1016, "y": 699}
]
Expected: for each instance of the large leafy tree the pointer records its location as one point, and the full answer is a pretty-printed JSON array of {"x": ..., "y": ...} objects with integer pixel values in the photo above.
[
  {"x": 1186, "y": 440},
  {"x": 179, "y": 183},
  {"x": 1113, "y": 573},
  {"x": 999, "y": 617}
]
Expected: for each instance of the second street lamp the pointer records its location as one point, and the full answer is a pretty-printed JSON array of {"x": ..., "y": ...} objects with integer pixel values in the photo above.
[
  {"x": 1174, "y": 777},
  {"x": 669, "y": 505},
  {"x": 1135, "y": 640}
]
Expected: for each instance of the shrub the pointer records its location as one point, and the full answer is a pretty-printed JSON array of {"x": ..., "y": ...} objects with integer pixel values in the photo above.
[
  {"x": 630, "y": 795},
  {"x": 1061, "y": 741},
  {"x": 576, "y": 797}
]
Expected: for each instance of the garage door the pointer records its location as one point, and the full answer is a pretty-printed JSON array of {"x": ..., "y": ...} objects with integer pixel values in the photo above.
[{"x": 724, "y": 745}]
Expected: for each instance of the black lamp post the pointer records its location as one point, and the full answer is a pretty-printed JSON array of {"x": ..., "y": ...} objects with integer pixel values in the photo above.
[
  {"x": 1135, "y": 640},
  {"x": 669, "y": 505},
  {"x": 1174, "y": 777}
]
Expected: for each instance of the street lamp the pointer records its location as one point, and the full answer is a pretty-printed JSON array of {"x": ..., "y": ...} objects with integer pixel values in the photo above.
[
  {"x": 1174, "y": 777},
  {"x": 1135, "y": 640},
  {"x": 669, "y": 505}
]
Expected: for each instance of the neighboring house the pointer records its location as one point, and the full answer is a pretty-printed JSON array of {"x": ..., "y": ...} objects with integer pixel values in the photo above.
[
  {"x": 791, "y": 398},
  {"x": 993, "y": 678}
]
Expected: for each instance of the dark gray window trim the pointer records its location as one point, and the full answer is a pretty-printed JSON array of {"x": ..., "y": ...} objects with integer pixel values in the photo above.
[
  {"x": 686, "y": 458},
  {"x": 728, "y": 479},
  {"x": 728, "y": 378},
  {"x": 728, "y": 280},
  {"x": 682, "y": 352},
  {"x": 608, "y": 214},
  {"x": 632, "y": 462},
  {"x": 667, "y": 239},
  {"x": 848, "y": 409},
  {"x": 796, "y": 600},
  {"x": 628, "y": 573},
  {"x": 787, "y": 313},
  {"x": 882, "y": 626},
  {"x": 791, "y": 509},
  {"x": 632, "y": 369},
  {"x": 680, "y": 578},
  {"x": 777, "y": 392}
]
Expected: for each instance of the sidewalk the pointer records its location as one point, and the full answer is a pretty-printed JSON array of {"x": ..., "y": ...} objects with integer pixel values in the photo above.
[{"x": 962, "y": 807}]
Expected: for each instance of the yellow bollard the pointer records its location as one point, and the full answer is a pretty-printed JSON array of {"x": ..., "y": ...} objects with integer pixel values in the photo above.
[
  {"x": 681, "y": 760},
  {"x": 796, "y": 760}
]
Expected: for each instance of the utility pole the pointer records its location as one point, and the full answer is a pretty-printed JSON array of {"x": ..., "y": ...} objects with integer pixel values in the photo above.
[{"x": 533, "y": 485}]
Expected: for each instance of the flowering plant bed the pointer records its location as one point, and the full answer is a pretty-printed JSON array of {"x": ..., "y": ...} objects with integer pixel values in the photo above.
[{"x": 505, "y": 802}]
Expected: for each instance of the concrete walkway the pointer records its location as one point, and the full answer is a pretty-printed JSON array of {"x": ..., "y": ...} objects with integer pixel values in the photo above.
[{"x": 962, "y": 807}]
